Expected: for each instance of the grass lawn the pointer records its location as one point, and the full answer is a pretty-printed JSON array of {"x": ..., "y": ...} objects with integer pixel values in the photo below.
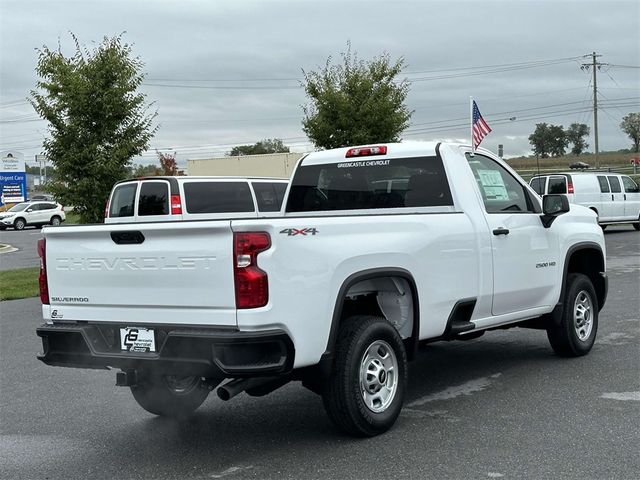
[{"x": 19, "y": 283}]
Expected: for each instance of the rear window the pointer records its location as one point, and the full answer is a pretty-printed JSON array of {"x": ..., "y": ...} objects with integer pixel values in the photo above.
[
  {"x": 604, "y": 185},
  {"x": 269, "y": 195},
  {"x": 370, "y": 184},
  {"x": 538, "y": 185},
  {"x": 557, "y": 185},
  {"x": 154, "y": 199},
  {"x": 218, "y": 197},
  {"x": 122, "y": 200}
]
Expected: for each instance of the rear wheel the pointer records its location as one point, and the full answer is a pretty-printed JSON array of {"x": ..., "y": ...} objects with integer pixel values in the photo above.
[
  {"x": 56, "y": 221},
  {"x": 637, "y": 224},
  {"x": 170, "y": 395},
  {"x": 576, "y": 333},
  {"x": 365, "y": 391},
  {"x": 19, "y": 224}
]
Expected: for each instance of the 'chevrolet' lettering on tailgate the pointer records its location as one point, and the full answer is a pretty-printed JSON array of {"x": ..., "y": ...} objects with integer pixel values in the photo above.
[{"x": 134, "y": 263}]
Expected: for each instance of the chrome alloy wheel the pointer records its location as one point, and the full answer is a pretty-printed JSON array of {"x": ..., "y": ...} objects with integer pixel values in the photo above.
[
  {"x": 378, "y": 376},
  {"x": 583, "y": 315}
]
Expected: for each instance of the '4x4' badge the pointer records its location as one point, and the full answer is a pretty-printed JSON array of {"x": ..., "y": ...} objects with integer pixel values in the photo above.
[{"x": 291, "y": 232}]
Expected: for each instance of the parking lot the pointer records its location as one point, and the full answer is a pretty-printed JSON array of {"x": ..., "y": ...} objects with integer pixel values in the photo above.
[{"x": 502, "y": 406}]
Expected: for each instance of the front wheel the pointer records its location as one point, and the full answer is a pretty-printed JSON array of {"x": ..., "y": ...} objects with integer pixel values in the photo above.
[
  {"x": 637, "y": 224},
  {"x": 170, "y": 395},
  {"x": 576, "y": 333},
  {"x": 364, "y": 394},
  {"x": 19, "y": 224}
]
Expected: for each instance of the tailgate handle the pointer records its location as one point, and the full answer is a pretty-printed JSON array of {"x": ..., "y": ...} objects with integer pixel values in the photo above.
[{"x": 127, "y": 238}]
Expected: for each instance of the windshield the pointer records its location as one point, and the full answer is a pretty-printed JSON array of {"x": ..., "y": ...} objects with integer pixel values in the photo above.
[{"x": 19, "y": 207}]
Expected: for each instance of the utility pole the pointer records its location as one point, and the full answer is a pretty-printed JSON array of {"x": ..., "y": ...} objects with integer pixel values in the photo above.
[{"x": 595, "y": 66}]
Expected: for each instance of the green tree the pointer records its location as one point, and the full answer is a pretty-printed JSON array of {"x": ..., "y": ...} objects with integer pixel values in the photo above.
[
  {"x": 97, "y": 120},
  {"x": 356, "y": 102},
  {"x": 575, "y": 136},
  {"x": 548, "y": 140},
  {"x": 145, "y": 170},
  {"x": 269, "y": 145},
  {"x": 631, "y": 126}
]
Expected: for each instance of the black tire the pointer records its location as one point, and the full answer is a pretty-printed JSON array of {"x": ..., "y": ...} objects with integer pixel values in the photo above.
[
  {"x": 19, "y": 224},
  {"x": 637, "y": 224},
  {"x": 55, "y": 221},
  {"x": 573, "y": 337},
  {"x": 3, "y": 228},
  {"x": 344, "y": 393},
  {"x": 170, "y": 396}
]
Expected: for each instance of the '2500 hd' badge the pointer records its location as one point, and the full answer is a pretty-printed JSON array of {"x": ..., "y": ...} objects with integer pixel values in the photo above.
[{"x": 292, "y": 232}]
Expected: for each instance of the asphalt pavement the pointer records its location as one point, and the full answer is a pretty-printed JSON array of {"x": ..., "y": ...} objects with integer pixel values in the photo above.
[
  {"x": 24, "y": 241},
  {"x": 501, "y": 406}
]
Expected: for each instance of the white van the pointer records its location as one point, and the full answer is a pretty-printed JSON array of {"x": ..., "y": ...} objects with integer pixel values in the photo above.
[
  {"x": 614, "y": 197},
  {"x": 152, "y": 199}
]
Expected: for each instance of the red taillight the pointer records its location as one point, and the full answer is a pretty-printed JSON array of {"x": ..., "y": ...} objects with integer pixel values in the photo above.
[
  {"x": 366, "y": 151},
  {"x": 62, "y": 208},
  {"x": 570, "y": 187},
  {"x": 42, "y": 279},
  {"x": 252, "y": 284},
  {"x": 176, "y": 205}
]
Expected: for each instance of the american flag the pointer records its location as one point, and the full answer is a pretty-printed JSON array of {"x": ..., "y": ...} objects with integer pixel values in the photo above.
[{"x": 479, "y": 127}]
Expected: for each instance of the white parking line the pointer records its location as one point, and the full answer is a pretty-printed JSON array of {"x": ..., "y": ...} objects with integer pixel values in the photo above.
[{"x": 624, "y": 396}]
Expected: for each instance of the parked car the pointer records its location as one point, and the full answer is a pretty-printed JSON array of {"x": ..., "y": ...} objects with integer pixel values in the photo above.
[
  {"x": 579, "y": 165},
  {"x": 615, "y": 198},
  {"x": 42, "y": 197},
  {"x": 337, "y": 291},
  {"x": 152, "y": 199},
  {"x": 32, "y": 213}
]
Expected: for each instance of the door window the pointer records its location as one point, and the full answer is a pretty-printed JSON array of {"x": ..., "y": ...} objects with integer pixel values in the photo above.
[
  {"x": 604, "y": 185},
  {"x": 218, "y": 197},
  {"x": 615, "y": 184},
  {"x": 269, "y": 195},
  {"x": 122, "y": 200},
  {"x": 154, "y": 199},
  {"x": 629, "y": 185},
  {"x": 500, "y": 191}
]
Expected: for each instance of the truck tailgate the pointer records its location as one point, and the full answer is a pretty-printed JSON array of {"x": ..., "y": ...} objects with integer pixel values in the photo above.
[{"x": 162, "y": 273}]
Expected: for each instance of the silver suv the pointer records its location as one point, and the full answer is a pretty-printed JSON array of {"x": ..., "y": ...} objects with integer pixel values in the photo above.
[{"x": 32, "y": 213}]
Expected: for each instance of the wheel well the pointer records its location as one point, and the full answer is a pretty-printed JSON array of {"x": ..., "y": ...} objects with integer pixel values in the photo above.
[
  {"x": 390, "y": 294},
  {"x": 594, "y": 209},
  {"x": 20, "y": 218},
  {"x": 590, "y": 262}
]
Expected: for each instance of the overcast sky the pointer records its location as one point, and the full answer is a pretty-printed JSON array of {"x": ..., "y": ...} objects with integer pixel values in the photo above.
[{"x": 227, "y": 72}]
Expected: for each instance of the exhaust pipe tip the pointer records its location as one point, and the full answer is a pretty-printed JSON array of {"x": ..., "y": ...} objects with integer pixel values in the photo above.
[{"x": 223, "y": 394}]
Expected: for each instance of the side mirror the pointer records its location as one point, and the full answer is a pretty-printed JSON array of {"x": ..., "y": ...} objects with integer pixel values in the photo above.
[
  {"x": 552, "y": 206},
  {"x": 29, "y": 210}
]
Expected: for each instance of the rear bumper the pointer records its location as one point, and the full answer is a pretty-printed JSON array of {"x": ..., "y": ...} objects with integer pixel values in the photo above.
[{"x": 206, "y": 352}]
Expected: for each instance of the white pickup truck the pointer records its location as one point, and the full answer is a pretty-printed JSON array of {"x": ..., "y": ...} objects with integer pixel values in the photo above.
[{"x": 378, "y": 249}]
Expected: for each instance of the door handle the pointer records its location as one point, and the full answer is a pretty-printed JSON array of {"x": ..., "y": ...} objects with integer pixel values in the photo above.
[
  {"x": 501, "y": 231},
  {"x": 625, "y": 196},
  {"x": 127, "y": 238},
  {"x": 612, "y": 199}
]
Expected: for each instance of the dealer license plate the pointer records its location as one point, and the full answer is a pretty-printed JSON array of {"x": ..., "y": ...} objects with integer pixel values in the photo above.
[{"x": 135, "y": 339}]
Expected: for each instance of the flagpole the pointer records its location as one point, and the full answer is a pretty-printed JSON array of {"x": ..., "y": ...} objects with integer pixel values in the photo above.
[{"x": 473, "y": 150}]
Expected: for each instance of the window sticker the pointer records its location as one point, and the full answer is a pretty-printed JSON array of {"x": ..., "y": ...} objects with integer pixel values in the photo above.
[{"x": 493, "y": 185}]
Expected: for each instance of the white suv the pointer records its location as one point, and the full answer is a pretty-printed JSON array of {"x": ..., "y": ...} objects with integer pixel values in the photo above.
[{"x": 32, "y": 213}]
